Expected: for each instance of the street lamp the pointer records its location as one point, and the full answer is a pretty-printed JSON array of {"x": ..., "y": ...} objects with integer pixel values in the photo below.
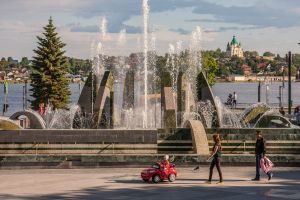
[
  {"x": 290, "y": 82},
  {"x": 281, "y": 87},
  {"x": 5, "y": 84}
]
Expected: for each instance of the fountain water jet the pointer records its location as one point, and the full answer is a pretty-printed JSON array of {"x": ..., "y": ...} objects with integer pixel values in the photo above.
[
  {"x": 146, "y": 10},
  {"x": 228, "y": 119},
  {"x": 103, "y": 28},
  {"x": 122, "y": 38}
]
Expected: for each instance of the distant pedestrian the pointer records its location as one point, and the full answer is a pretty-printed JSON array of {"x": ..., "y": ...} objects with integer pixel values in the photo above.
[
  {"x": 260, "y": 150},
  {"x": 229, "y": 100},
  {"x": 281, "y": 111},
  {"x": 216, "y": 159},
  {"x": 296, "y": 111},
  {"x": 297, "y": 115},
  {"x": 234, "y": 102},
  {"x": 298, "y": 119},
  {"x": 42, "y": 108}
]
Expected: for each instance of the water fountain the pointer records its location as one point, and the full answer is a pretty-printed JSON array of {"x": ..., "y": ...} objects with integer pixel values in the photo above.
[
  {"x": 228, "y": 118},
  {"x": 191, "y": 71},
  {"x": 62, "y": 119},
  {"x": 137, "y": 109},
  {"x": 251, "y": 114}
]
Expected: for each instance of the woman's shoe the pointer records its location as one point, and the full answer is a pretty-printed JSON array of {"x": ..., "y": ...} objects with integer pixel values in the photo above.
[
  {"x": 208, "y": 182},
  {"x": 220, "y": 183}
]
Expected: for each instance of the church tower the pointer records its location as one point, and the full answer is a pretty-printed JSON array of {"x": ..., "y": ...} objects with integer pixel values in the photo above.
[{"x": 234, "y": 48}]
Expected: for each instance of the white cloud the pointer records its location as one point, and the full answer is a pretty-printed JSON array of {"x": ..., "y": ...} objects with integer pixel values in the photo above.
[{"x": 21, "y": 21}]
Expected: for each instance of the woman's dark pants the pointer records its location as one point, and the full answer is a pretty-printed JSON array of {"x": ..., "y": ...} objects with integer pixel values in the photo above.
[{"x": 215, "y": 162}]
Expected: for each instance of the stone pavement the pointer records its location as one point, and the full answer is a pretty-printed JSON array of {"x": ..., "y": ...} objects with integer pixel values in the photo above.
[{"x": 118, "y": 183}]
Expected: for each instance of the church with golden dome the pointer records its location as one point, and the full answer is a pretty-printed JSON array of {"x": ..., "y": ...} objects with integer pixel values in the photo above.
[{"x": 234, "y": 48}]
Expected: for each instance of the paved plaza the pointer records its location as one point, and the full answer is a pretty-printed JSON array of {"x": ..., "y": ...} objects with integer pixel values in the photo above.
[{"x": 119, "y": 183}]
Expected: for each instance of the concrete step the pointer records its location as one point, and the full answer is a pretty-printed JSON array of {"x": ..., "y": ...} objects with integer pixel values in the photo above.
[{"x": 85, "y": 160}]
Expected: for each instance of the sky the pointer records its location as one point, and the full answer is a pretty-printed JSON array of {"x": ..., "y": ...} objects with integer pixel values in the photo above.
[{"x": 269, "y": 25}]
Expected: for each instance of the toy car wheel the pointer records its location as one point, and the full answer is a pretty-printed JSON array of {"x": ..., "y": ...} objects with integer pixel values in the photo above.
[
  {"x": 155, "y": 179},
  {"x": 146, "y": 180},
  {"x": 172, "y": 177}
]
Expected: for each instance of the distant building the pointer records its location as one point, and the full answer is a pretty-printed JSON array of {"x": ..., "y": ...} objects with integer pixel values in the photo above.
[
  {"x": 241, "y": 78},
  {"x": 2, "y": 75},
  {"x": 10, "y": 75},
  {"x": 261, "y": 66},
  {"x": 246, "y": 70},
  {"x": 234, "y": 48},
  {"x": 236, "y": 78},
  {"x": 270, "y": 58}
]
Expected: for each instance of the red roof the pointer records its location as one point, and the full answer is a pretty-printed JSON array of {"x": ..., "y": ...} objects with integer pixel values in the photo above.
[{"x": 261, "y": 65}]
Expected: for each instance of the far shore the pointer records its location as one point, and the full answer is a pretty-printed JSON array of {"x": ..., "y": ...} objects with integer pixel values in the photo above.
[
  {"x": 217, "y": 81},
  {"x": 28, "y": 81}
]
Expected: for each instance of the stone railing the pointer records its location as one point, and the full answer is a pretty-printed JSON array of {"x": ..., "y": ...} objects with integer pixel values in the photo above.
[
  {"x": 78, "y": 142},
  {"x": 242, "y": 141}
]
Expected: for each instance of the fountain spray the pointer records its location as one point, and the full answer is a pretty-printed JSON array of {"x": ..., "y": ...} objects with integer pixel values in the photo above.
[
  {"x": 122, "y": 37},
  {"x": 92, "y": 74},
  {"x": 103, "y": 28},
  {"x": 146, "y": 16}
]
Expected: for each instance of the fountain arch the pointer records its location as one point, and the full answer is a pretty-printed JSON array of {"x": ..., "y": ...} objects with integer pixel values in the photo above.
[
  {"x": 200, "y": 142},
  {"x": 8, "y": 124},
  {"x": 36, "y": 120}
]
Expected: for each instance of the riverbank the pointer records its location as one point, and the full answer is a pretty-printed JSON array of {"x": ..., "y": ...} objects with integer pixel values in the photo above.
[
  {"x": 28, "y": 81},
  {"x": 247, "y": 94}
]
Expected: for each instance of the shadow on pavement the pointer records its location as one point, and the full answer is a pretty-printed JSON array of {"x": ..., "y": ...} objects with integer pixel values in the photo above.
[{"x": 175, "y": 192}]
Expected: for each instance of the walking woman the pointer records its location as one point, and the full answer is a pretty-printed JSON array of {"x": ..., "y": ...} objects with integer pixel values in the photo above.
[{"x": 216, "y": 161}]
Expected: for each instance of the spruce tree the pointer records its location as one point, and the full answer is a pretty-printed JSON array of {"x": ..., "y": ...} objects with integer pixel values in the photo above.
[{"x": 48, "y": 81}]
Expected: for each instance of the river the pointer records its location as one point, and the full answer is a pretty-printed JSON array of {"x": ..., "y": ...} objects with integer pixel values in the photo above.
[{"x": 247, "y": 94}]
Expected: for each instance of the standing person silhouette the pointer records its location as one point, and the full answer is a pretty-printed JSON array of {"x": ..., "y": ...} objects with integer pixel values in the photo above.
[
  {"x": 216, "y": 161},
  {"x": 260, "y": 151},
  {"x": 234, "y": 102}
]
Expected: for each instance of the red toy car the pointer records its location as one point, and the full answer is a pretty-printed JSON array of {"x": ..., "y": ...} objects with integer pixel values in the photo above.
[{"x": 157, "y": 174}]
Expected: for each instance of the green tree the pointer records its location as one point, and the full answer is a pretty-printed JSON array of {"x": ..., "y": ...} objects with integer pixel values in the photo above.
[
  {"x": 10, "y": 60},
  {"x": 11, "y": 63},
  {"x": 268, "y": 54},
  {"x": 3, "y": 64},
  {"x": 161, "y": 62},
  {"x": 210, "y": 67},
  {"x": 48, "y": 81},
  {"x": 249, "y": 54},
  {"x": 24, "y": 62}
]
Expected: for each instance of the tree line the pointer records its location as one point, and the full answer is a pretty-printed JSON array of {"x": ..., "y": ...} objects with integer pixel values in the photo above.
[
  {"x": 233, "y": 65},
  {"x": 73, "y": 65}
]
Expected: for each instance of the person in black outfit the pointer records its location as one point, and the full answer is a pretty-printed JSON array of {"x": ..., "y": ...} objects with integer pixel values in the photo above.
[
  {"x": 216, "y": 155},
  {"x": 260, "y": 151},
  {"x": 281, "y": 111}
]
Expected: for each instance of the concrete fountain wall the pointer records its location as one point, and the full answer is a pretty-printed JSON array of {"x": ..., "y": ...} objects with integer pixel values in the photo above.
[
  {"x": 95, "y": 148},
  {"x": 87, "y": 141}
]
